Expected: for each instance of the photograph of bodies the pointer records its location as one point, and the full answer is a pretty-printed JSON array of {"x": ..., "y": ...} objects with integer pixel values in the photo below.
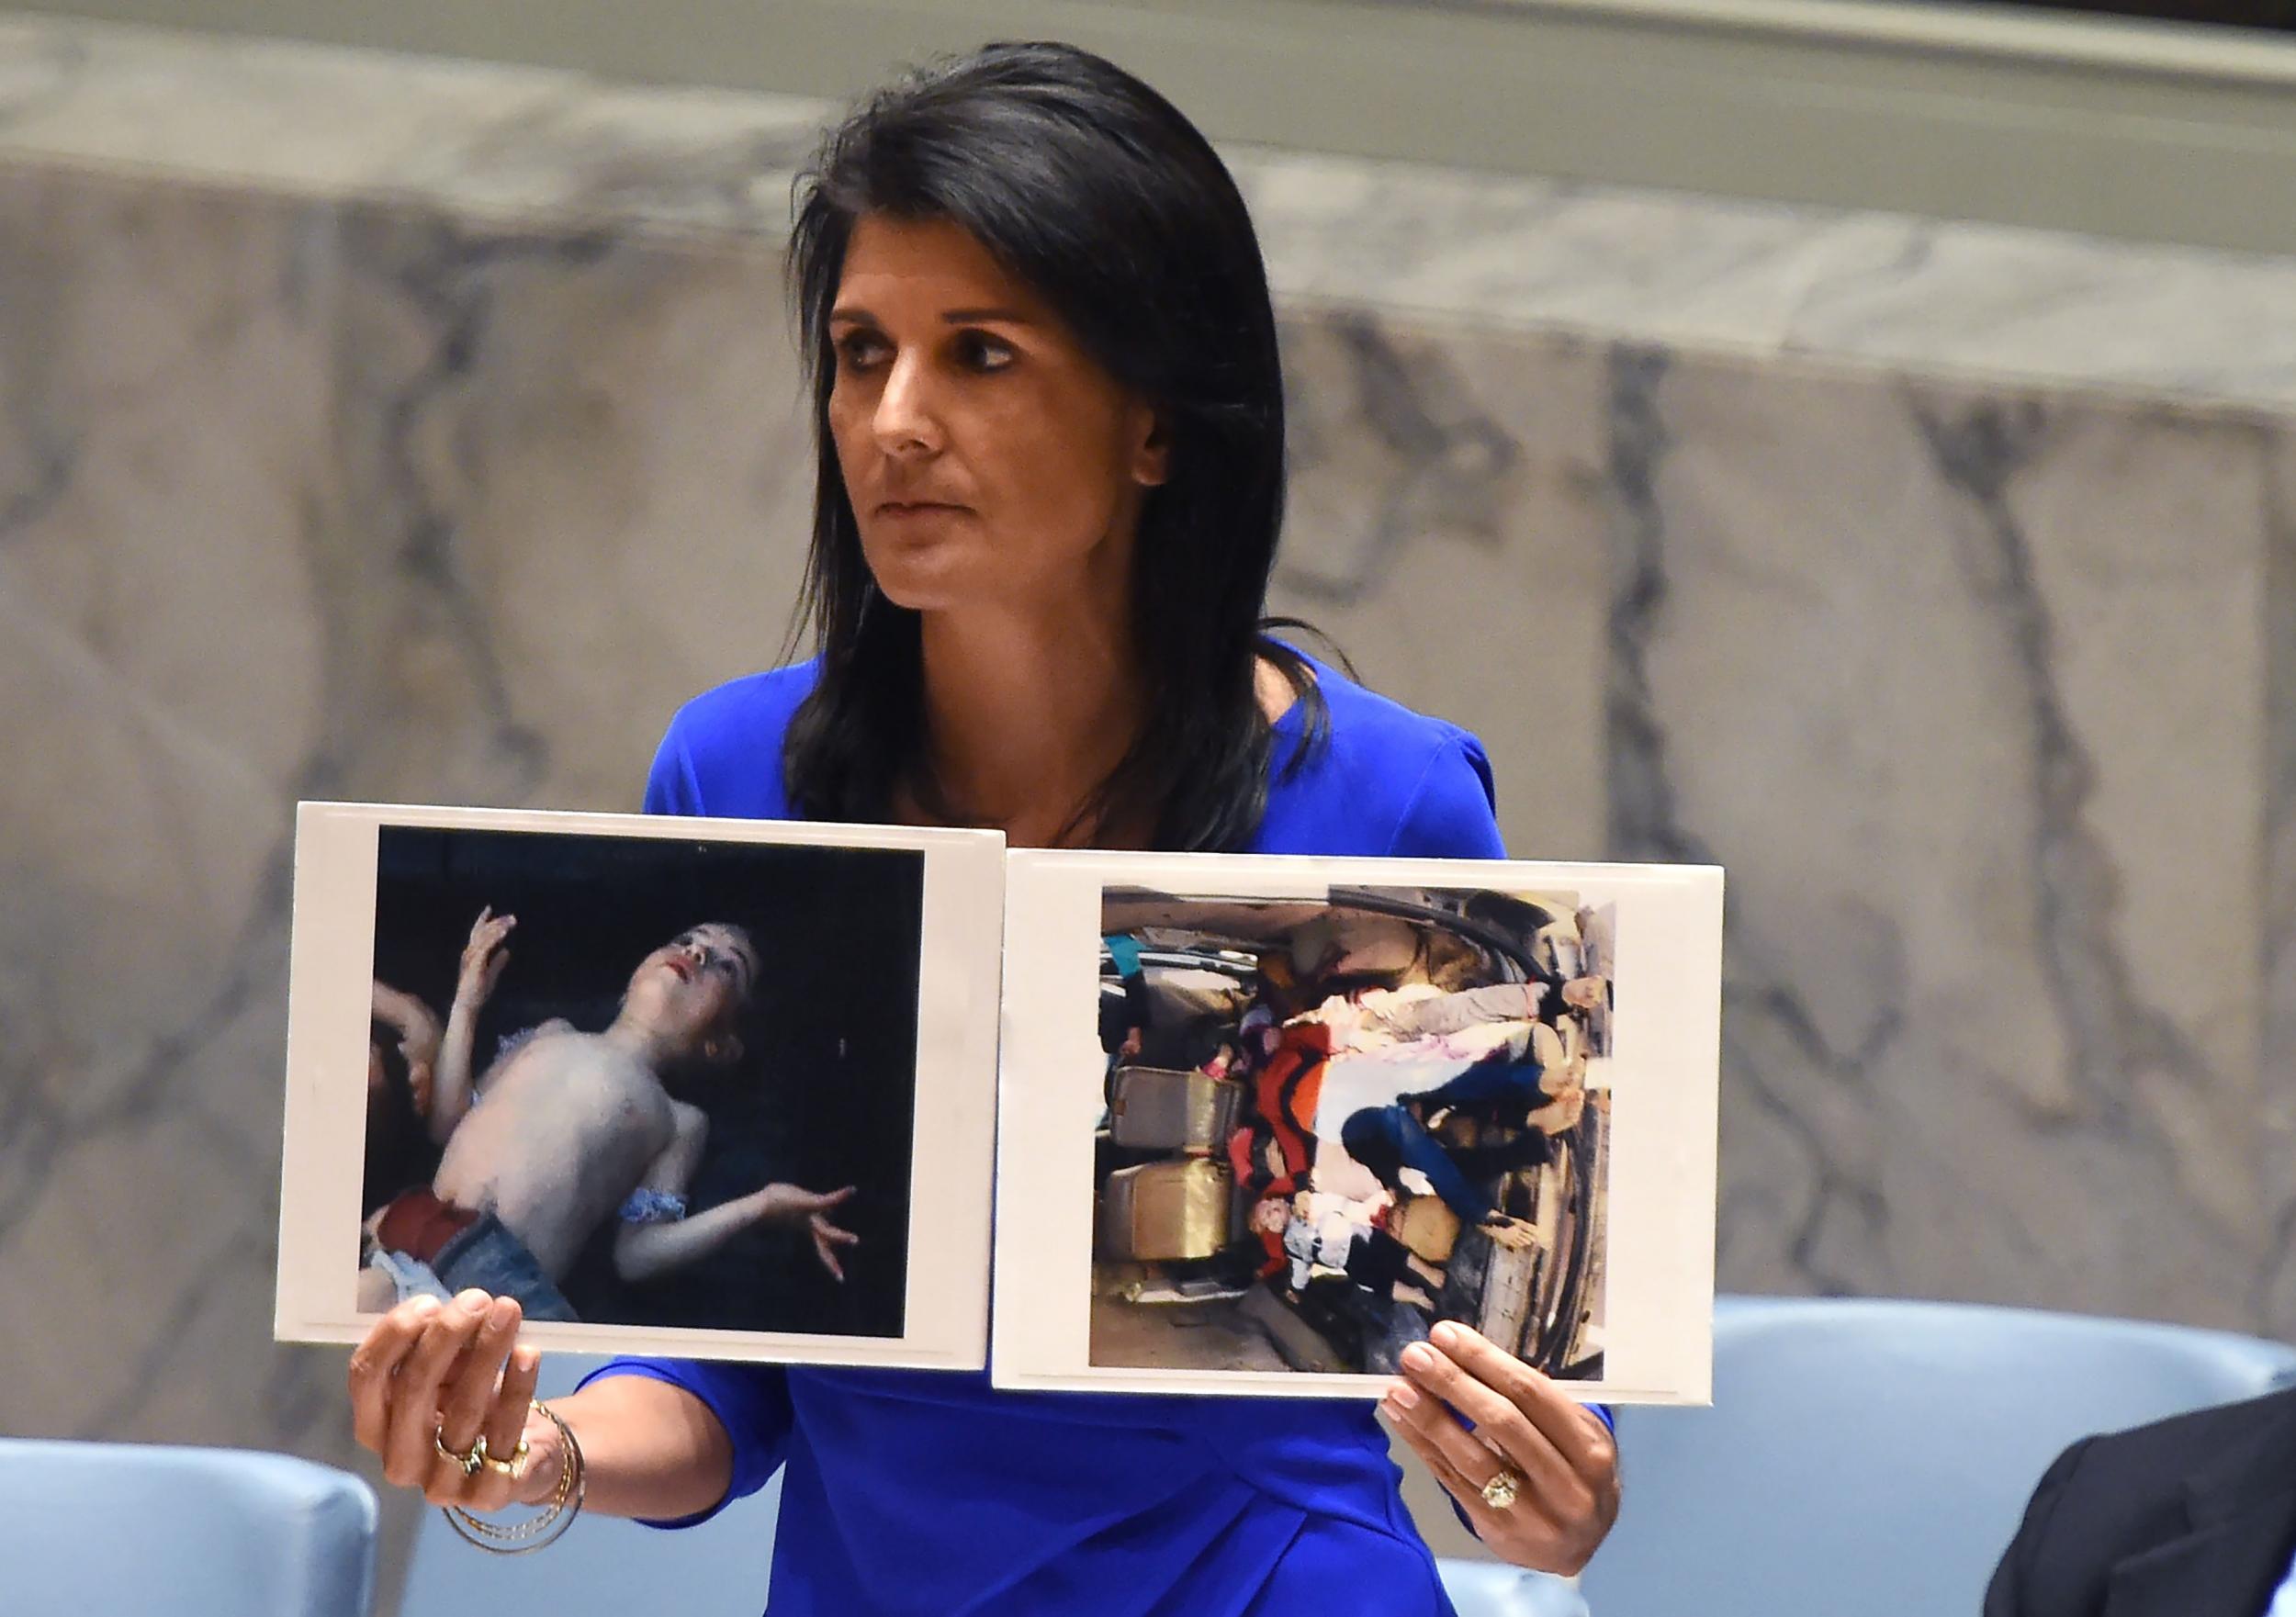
[
  {"x": 1321, "y": 1122},
  {"x": 654, "y": 1083}
]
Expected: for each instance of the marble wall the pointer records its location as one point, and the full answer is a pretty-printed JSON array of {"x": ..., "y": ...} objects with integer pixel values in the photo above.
[
  {"x": 1971, "y": 688},
  {"x": 446, "y": 479}
]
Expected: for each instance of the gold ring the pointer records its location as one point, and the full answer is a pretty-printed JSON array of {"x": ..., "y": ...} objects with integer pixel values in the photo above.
[
  {"x": 1500, "y": 1491},
  {"x": 503, "y": 1467},
  {"x": 468, "y": 1460}
]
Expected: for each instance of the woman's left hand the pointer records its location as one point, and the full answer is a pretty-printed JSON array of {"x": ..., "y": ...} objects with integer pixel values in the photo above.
[{"x": 1557, "y": 1451}]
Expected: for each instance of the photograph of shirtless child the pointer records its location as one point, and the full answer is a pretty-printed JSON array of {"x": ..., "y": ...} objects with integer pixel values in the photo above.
[{"x": 643, "y": 1083}]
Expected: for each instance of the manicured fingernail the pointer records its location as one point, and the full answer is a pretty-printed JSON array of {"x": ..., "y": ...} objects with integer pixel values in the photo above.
[
  {"x": 1402, "y": 1397},
  {"x": 501, "y": 1313},
  {"x": 1446, "y": 1336},
  {"x": 1419, "y": 1356},
  {"x": 425, "y": 1305},
  {"x": 473, "y": 1301}
]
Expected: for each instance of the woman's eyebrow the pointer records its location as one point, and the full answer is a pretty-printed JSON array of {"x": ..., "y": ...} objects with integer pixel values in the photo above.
[
  {"x": 959, "y": 317},
  {"x": 846, "y": 315}
]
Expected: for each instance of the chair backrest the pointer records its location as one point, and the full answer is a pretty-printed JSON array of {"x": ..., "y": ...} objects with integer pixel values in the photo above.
[
  {"x": 122, "y": 1530},
  {"x": 1876, "y": 1456},
  {"x": 717, "y": 1570},
  {"x": 1492, "y": 1589}
]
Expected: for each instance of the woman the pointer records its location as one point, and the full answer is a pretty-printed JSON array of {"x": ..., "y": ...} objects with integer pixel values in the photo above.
[{"x": 1050, "y": 412}]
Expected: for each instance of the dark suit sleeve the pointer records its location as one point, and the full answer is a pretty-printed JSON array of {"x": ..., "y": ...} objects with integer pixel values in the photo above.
[{"x": 2011, "y": 1593}]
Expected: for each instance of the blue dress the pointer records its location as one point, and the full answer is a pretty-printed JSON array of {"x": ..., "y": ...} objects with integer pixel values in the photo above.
[{"x": 930, "y": 1492}]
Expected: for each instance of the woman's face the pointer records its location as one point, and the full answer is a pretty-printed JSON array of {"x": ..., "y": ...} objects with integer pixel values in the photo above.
[{"x": 989, "y": 459}]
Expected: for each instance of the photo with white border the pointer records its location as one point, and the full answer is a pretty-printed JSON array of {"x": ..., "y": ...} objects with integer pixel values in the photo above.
[
  {"x": 1264, "y": 1121},
  {"x": 707, "y": 1088}
]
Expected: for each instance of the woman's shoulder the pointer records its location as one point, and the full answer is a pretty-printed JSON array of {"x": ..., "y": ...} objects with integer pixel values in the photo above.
[
  {"x": 1387, "y": 780},
  {"x": 722, "y": 754},
  {"x": 1378, "y": 724},
  {"x": 747, "y": 711}
]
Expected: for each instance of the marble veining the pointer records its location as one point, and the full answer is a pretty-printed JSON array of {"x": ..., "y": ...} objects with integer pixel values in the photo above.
[{"x": 1490, "y": 251}]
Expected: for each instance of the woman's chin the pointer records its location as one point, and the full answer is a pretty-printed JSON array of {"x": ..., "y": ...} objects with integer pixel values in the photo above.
[{"x": 932, "y": 588}]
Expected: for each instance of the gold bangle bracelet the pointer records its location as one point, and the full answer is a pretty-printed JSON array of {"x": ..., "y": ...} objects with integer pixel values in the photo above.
[{"x": 557, "y": 1514}]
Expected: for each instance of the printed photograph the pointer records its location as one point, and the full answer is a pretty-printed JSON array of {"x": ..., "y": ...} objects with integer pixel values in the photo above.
[
  {"x": 642, "y": 1081},
  {"x": 1328, "y": 1125}
]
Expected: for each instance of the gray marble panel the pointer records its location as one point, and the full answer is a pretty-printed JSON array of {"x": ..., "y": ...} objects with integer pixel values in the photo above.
[
  {"x": 1446, "y": 527},
  {"x": 1912, "y": 662},
  {"x": 164, "y": 401},
  {"x": 299, "y": 500},
  {"x": 1964, "y": 687}
]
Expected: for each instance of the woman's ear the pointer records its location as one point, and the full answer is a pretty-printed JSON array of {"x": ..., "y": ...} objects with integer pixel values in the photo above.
[{"x": 1152, "y": 451}]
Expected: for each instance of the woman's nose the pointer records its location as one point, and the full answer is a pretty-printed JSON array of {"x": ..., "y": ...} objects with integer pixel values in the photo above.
[{"x": 903, "y": 423}]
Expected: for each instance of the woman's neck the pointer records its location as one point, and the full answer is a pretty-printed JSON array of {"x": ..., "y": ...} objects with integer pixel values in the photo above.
[{"x": 1024, "y": 718}]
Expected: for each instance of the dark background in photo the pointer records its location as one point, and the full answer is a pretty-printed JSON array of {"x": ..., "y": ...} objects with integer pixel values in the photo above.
[{"x": 824, "y": 1094}]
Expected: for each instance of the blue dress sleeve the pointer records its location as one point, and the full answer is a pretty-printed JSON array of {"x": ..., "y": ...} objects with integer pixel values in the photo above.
[
  {"x": 669, "y": 784},
  {"x": 1452, "y": 812},
  {"x": 750, "y": 1401}
]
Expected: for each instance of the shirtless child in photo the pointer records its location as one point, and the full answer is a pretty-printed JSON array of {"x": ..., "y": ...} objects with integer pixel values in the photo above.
[{"x": 567, "y": 1131}]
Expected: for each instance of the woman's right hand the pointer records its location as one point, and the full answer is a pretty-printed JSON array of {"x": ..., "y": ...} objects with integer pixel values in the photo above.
[{"x": 432, "y": 1376}]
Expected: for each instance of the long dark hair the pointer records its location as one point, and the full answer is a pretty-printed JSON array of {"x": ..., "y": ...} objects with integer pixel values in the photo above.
[{"x": 1096, "y": 191}]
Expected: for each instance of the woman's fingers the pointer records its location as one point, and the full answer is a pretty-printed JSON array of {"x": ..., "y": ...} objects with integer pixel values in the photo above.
[
  {"x": 515, "y": 1398},
  {"x": 1528, "y": 1532},
  {"x": 468, "y": 1399},
  {"x": 1578, "y": 1435},
  {"x": 1501, "y": 1427},
  {"x": 1468, "y": 1456},
  {"x": 505, "y": 1426},
  {"x": 1416, "y": 1429},
  {"x": 432, "y": 1375},
  {"x": 375, "y": 1364},
  {"x": 410, "y": 1449},
  {"x": 1564, "y": 1455}
]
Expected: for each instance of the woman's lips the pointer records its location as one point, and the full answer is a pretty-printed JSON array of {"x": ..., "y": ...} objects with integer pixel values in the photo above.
[{"x": 912, "y": 508}]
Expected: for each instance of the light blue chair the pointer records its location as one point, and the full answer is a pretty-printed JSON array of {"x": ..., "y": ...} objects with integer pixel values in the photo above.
[
  {"x": 1494, "y": 1589},
  {"x": 720, "y": 1569},
  {"x": 1876, "y": 1456},
  {"x": 132, "y": 1530}
]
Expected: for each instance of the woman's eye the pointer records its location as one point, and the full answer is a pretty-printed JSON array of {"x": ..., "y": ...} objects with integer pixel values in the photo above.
[
  {"x": 981, "y": 352},
  {"x": 858, "y": 350}
]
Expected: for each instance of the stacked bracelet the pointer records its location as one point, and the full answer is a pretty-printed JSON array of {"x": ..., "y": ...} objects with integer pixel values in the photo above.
[{"x": 557, "y": 1514}]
